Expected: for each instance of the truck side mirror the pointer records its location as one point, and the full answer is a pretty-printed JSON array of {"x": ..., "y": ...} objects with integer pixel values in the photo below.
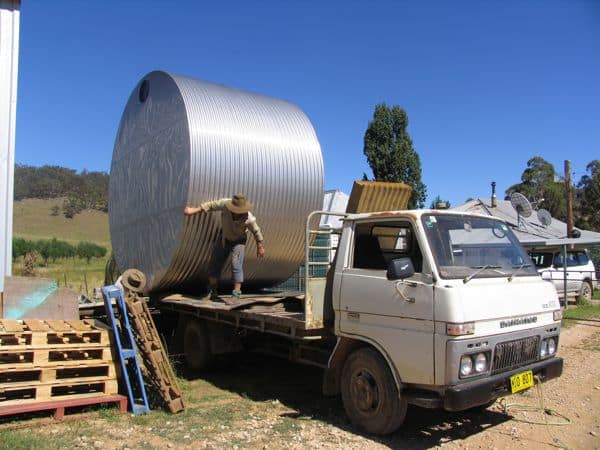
[{"x": 400, "y": 268}]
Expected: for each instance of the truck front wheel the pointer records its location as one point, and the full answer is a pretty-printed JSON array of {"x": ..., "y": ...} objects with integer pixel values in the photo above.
[{"x": 371, "y": 398}]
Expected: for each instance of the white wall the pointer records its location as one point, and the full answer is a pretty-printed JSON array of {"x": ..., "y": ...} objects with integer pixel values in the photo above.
[{"x": 9, "y": 61}]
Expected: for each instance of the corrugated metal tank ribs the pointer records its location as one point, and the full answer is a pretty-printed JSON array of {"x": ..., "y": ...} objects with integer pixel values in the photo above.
[{"x": 183, "y": 141}]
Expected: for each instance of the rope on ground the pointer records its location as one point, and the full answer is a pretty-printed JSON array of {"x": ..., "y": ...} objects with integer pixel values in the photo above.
[{"x": 540, "y": 408}]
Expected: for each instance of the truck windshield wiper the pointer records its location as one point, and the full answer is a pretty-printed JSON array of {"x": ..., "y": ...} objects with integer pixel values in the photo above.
[
  {"x": 512, "y": 275},
  {"x": 478, "y": 271}
]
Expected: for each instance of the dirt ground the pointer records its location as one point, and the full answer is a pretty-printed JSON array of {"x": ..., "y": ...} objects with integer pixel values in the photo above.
[{"x": 260, "y": 402}]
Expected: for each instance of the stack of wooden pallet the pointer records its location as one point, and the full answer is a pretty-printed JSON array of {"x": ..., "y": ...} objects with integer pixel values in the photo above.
[{"x": 53, "y": 364}]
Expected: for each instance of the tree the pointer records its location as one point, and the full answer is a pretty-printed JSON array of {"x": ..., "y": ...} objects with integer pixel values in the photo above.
[
  {"x": 539, "y": 185},
  {"x": 589, "y": 197},
  {"x": 390, "y": 153},
  {"x": 44, "y": 249},
  {"x": 89, "y": 250}
]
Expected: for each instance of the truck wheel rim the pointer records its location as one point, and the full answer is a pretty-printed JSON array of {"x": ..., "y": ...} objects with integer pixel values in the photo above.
[{"x": 365, "y": 392}]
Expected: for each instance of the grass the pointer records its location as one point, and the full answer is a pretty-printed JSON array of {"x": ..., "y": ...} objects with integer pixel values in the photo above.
[
  {"x": 74, "y": 273},
  {"x": 582, "y": 312},
  {"x": 33, "y": 220}
]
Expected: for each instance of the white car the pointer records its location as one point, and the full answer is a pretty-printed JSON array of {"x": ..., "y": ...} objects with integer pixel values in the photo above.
[{"x": 581, "y": 273}]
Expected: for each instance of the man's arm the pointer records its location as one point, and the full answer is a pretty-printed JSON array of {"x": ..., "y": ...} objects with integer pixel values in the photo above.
[
  {"x": 255, "y": 229},
  {"x": 215, "y": 205}
]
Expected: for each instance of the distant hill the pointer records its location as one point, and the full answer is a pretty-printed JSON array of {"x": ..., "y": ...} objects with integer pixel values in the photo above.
[
  {"x": 34, "y": 219},
  {"x": 78, "y": 191}
]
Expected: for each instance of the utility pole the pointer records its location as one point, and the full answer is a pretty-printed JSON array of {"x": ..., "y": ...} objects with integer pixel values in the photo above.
[{"x": 569, "y": 192}]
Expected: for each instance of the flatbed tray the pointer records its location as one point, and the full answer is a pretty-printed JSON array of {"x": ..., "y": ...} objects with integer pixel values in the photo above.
[
  {"x": 279, "y": 313},
  {"x": 229, "y": 302}
]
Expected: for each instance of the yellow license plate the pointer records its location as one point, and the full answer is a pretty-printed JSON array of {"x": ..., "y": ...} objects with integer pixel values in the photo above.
[{"x": 521, "y": 381}]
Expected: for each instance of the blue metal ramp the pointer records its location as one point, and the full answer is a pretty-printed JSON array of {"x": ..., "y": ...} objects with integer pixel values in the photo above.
[{"x": 132, "y": 374}]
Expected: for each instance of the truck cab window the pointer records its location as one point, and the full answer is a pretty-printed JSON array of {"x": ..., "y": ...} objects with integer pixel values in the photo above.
[{"x": 376, "y": 244}]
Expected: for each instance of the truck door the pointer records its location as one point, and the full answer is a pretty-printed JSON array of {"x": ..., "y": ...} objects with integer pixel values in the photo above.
[{"x": 397, "y": 315}]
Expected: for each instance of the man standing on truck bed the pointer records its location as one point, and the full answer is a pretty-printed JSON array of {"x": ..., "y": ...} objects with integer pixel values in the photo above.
[{"x": 236, "y": 219}]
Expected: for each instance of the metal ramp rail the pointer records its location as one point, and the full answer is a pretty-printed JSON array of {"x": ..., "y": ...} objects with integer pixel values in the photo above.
[
  {"x": 130, "y": 367},
  {"x": 316, "y": 267}
]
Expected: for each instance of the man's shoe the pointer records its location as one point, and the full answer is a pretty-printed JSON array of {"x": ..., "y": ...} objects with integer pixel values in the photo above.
[
  {"x": 236, "y": 294},
  {"x": 213, "y": 294}
]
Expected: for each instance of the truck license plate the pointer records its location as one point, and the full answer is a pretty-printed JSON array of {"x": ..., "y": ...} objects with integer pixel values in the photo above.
[{"x": 521, "y": 381}]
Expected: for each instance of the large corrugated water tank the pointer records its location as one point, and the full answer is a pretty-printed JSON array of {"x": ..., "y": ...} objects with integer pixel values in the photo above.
[{"x": 183, "y": 141}]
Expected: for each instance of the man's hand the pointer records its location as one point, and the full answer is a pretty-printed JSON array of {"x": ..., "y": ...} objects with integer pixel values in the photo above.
[
  {"x": 260, "y": 251},
  {"x": 190, "y": 210}
]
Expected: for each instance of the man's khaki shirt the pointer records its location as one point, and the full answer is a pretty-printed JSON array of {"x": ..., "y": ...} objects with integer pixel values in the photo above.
[{"x": 233, "y": 230}]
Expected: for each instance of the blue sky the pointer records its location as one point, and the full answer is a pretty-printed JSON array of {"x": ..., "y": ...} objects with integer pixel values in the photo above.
[{"x": 486, "y": 85}]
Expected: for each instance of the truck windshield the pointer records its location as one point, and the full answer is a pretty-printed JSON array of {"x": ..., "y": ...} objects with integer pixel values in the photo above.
[{"x": 472, "y": 247}]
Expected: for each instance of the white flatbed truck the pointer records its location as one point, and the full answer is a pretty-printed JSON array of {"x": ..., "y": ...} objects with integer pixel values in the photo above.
[{"x": 433, "y": 308}]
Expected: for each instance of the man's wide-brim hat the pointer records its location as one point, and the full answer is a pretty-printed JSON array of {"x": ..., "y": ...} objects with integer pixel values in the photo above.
[
  {"x": 134, "y": 280},
  {"x": 239, "y": 204}
]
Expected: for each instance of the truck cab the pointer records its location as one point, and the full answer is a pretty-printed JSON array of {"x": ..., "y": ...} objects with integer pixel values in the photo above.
[{"x": 438, "y": 309}]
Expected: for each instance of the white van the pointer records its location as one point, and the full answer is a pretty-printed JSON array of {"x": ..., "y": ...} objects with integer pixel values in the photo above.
[{"x": 581, "y": 273}]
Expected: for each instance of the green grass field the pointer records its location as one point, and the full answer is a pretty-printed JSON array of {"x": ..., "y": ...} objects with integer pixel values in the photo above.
[{"x": 33, "y": 220}]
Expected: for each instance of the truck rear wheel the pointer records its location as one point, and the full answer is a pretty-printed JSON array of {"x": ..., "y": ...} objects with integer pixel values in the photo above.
[
  {"x": 196, "y": 346},
  {"x": 371, "y": 398}
]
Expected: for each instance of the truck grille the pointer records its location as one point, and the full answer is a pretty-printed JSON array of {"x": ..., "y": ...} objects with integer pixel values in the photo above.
[{"x": 512, "y": 354}]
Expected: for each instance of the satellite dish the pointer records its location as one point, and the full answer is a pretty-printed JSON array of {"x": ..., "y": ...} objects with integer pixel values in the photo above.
[
  {"x": 544, "y": 217},
  {"x": 521, "y": 204}
]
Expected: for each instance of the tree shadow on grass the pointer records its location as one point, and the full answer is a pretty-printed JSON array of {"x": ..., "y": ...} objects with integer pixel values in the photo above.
[{"x": 262, "y": 378}]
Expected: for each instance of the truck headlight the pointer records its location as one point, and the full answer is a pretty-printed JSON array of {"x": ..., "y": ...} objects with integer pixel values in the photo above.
[
  {"x": 551, "y": 346},
  {"x": 557, "y": 315},
  {"x": 466, "y": 365},
  {"x": 548, "y": 347},
  {"x": 480, "y": 363}
]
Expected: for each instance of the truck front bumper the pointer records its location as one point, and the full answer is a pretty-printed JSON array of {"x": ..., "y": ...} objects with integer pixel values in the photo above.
[{"x": 479, "y": 392}]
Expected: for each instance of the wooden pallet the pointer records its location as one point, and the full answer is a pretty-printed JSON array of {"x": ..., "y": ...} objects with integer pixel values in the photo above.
[
  {"x": 37, "y": 392},
  {"x": 46, "y": 360},
  {"x": 59, "y": 406},
  {"x": 59, "y": 373},
  {"x": 158, "y": 367},
  {"x": 29, "y": 333},
  {"x": 41, "y": 357}
]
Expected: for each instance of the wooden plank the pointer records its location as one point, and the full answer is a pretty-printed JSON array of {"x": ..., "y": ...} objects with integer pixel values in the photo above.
[
  {"x": 59, "y": 325},
  {"x": 11, "y": 326},
  {"x": 80, "y": 325},
  {"x": 36, "y": 325}
]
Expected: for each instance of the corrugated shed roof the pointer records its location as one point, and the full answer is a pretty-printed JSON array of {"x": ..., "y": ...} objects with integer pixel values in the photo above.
[{"x": 530, "y": 232}]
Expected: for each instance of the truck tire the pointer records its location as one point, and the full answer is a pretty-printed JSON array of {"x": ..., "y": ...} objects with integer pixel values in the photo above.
[
  {"x": 369, "y": 393},
  {"x": 585, "y": 292},
  {"x": 196, "y": 346}
]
